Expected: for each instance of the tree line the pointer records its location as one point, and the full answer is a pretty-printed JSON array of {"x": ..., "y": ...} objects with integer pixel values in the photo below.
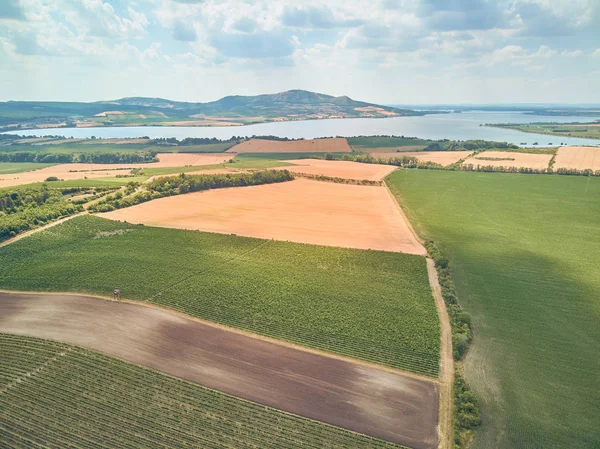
[
  {"x": 25, "y": 209},
  {"x": 468, "y": 145},
  {"x": 177, "y": 185},
  {"x": 466, "y": 415},
  {"x": 68, "y": 158}
]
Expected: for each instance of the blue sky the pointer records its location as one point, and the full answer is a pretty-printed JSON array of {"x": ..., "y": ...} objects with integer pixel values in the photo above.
[{"x": 386, "y": 51}]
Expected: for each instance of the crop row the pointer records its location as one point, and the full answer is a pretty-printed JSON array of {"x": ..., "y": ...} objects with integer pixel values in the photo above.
[
  {"x": 372, "y": 305},
  {"x": 85, "y": 399}
]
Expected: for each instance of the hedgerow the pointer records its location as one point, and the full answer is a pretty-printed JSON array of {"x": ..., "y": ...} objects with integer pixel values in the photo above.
[
  {"x": 466, "y": 410},
  {"x": 177, "y": 185}
]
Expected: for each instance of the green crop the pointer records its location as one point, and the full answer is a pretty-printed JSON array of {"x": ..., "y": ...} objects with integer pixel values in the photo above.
[
  {"x": 57, "y": 395},
  {"x": 525, "y": 250},
  {"x": 372, "y": 305}
]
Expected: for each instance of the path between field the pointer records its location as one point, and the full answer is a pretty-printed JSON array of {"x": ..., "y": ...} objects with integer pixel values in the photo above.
[
  {"x": 354, "y": 396},
  {"x": 33, "y": 231},
  {"x": 446, "y": 427}
]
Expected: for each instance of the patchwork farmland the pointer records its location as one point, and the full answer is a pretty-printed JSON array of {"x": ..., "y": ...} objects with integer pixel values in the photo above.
[
  {"x": 53, "y": 394},
  {"x": 78, "y": 171},
  {"x": 305, "y": 294},
  {"x": 387, "y": 405},
  {"x": 316, "y": 289}
]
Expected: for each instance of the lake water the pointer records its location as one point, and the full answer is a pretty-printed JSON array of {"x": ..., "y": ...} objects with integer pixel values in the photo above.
[{"x": 459, "y": 126}]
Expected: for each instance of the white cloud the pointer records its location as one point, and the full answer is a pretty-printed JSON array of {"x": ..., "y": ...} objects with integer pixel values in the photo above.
[
  {"x": 571, "y": 54},
  {"x": 385, "y": 49}
]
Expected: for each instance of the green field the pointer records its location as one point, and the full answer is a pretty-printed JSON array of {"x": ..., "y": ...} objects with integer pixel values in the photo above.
[
  {"x": 372, "y": 305},
  {"x": 556, "y": 130},
  {"x": 89, "y": 148},
  {"x": 383, "y": 142},
  {"x": 7, "y": 168},
  {"x": 57, "y": 395},
  {"x": 525, "y": 251}
]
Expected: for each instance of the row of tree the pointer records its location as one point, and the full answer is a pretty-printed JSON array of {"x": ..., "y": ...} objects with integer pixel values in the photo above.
[
  {"x": 25, "y": 209},
  {"x": 67, "y": 158},
  {"x": 527, "y": 170},
  {"x": 466, "y": 409},
  {"x": 176, "y": 185},
  {"x": 470, "y": 145}
]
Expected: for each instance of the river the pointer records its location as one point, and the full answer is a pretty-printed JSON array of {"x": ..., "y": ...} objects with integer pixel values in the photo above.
[{"x": 456, "y": 126}]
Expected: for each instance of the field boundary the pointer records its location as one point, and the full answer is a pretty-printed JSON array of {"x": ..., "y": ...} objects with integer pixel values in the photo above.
[
  {"x": 445, "y": 423},
  {"x": 41, "y": 228},
  {"x": 283, "y": 343}
]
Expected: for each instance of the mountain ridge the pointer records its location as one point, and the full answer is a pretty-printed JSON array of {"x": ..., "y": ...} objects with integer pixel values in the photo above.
[{"x": 231, "y": 110}]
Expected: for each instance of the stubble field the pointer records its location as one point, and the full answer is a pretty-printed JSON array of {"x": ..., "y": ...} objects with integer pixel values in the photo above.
[
  {"x": 333, "y": 145},
  {"x": 510, "y": 159},
  {"x": 305, "y": 211},
  {"x": 80, "y": 171},
  {"x": 340, "y": 169},
  {"x": 580, "y": 158}
]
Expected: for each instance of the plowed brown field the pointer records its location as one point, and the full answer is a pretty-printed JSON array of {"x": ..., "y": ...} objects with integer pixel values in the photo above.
[
  {"x": 351, "y": 395},
  {"x": 580, "y": 158},
  {"x": 305, "y": 211},
  {"x": 336, "y": 145}
]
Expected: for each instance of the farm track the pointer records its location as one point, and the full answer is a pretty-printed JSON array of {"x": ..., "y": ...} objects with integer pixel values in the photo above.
[
  {"x": 42, "y": 228},
  {"x": 446, "y": 358},
  {"x": 355, "y": 396}
]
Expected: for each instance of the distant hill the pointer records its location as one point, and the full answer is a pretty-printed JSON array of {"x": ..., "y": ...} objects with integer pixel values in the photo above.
[{"x": 228, "y": 111}]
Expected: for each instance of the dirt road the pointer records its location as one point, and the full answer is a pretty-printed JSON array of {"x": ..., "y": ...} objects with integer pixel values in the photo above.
[{"x": 375, "y": 402}]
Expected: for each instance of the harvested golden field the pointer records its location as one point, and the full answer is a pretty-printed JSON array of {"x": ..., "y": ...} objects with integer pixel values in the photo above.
[
  {"x": 70, "y": 172},
  {"x": 305, "y": 211},
  {"x": 334, "y": 145},
  {"x": 439, "y": 157},
  {"x": 510, "y": 159},
  {"x": 340, "y": 169},
  {"x": 580, "y": 158}
]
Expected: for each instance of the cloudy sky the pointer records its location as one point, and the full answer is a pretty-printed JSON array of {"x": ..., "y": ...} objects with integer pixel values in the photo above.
[{"x": 386, "y": 51}]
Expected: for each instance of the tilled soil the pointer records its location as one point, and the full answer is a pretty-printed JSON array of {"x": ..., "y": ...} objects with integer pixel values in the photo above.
[{"x": 351, "y": 395}]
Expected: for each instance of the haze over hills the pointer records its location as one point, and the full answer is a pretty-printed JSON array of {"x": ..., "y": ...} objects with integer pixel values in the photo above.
[{"x": 228, "y": 111}]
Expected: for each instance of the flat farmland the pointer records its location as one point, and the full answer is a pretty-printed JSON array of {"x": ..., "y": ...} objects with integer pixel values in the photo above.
[
  {"x": 59, "y": 395},
  {"x": 439, "y": 157},
  {"x": 580, "y": 158},
  {"x": 334, "y": 145},
  {"x": 19, "y": 167},
  {"x": 371, "y": 305},
  {"x": 354, "y": 396},
  {"x": 511, "y": 159},
  {"x": 340, "y": 169},
  {"x": 525, "y": 251},
  {"x": 305, "y": 211},
  {"x": 70, "y": 172}
]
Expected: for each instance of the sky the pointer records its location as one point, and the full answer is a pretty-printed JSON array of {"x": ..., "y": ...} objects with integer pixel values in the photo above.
[{"x": 382, "y": 51}]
